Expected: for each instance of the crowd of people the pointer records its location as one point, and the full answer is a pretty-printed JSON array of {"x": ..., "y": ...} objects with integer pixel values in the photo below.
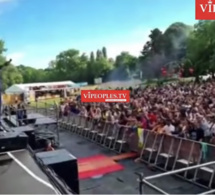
[{"x": 179, "y": 109}]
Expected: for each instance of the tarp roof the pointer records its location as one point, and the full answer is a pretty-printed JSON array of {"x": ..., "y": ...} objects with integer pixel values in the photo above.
[
  {"x": 20, "y": 88},
  {"x": 26, "y": 85},
  {"x": 14, "y": 89}
]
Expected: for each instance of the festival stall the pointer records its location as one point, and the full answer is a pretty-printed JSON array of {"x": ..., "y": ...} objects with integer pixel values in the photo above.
[{"x": 37, "y": 91}]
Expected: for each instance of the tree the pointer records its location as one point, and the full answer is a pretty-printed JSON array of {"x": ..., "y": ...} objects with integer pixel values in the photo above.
[
  {"x": 2, "y": 48},
  {"x": 156, "y": 42},
  {"x": 163, "y": 49},
  {"x": 90, "y": 72},
  {"x": 10, "y": 76},
  {"x": 126, "y": 60},
  {"x": 30, "y": 74},
  {"x": 123, "y": 65},
  {"x": 52, "y": 64},
  {"x": 200, "y": 48},
  {"x": 180, "y": 45},
  {"x": 104, "y": 52},
  {"x": 92, "y": 57},
  {"x": 175, "y": 38},
  {"x": 98, "y": 55},
  {"x": 70, "y": 65},
  {"x": 153, "y": 55}
]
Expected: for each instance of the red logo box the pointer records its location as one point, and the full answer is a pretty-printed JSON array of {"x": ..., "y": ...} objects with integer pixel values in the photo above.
[
  {"x": 122, "y": 96},
  {"x": 205, "y": 9}
]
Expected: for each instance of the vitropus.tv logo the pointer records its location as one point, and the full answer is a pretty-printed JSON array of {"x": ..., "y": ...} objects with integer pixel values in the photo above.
[{"x": 205, "y": 10}]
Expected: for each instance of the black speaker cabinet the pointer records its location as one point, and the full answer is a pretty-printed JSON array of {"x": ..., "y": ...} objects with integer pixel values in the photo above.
[
  {"x": 64, "y": 164},
  {"x": 30, "y": 121},
  {"x": 13, "y": 141},
  {"x": 29, "y": 131}
]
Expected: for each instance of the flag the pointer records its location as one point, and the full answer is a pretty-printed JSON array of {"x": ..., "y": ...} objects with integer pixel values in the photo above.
[
  {"x": 140, "y": 136},
  {"x": 204, "y": 147}
]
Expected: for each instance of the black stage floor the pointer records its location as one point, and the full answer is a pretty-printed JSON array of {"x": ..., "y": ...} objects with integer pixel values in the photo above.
[
  {"x": 19, "y": 174},
  {"x": 121, "y": 182}
]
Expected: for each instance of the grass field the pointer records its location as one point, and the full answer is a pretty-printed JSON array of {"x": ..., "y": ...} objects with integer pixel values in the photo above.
[{"x": 45, "y": 103}]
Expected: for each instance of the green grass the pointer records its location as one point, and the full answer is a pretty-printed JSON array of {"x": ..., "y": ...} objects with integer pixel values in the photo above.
[{"x": 45, "y": 103}]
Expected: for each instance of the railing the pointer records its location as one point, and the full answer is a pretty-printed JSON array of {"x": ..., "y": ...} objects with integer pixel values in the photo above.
[
  {"x": 123, "y": 138},
  {"x": 161, "y": 150},
  {"x": 45, "y": 108},
  {"x": 166, "y": 152},
  {"x": 145, "y": 180},
  {"x": 40, "y": 109},
  {"x": 164, "y": 144},
  {"x": 41, "y": 116}
]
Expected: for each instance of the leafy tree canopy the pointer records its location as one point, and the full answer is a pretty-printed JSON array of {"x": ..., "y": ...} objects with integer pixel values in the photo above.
[{"x": 180, "y": 44}]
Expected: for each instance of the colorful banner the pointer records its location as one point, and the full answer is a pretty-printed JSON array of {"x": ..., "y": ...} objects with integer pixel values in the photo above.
[{"x": 140, "y": 136}]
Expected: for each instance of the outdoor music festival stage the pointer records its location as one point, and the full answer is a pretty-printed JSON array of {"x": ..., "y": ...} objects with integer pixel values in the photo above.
[{"x": 21, "y": 174}]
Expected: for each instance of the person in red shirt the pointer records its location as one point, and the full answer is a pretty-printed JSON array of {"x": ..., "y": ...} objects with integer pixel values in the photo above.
[{"x": 152, "y": 117}]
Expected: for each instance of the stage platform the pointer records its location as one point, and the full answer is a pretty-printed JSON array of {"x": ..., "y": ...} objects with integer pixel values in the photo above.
[
  {"x": 19, "y": 174},
  {"x": 38, "y": 119},
  {"x": 25, "y": 129}
]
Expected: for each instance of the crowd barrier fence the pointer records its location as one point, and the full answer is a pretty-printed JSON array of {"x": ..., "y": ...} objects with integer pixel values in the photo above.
[{"x": 163, "y": 151}]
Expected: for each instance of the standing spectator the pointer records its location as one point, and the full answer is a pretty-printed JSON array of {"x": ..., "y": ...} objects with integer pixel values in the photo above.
[
  {"x": 169, "y": 129},
  {"x": 19, "y": 114},
  {"x": 195, "y": 132}
]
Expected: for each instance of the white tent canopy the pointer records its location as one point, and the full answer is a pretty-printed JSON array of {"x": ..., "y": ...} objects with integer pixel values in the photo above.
[
  {"x": 14, "y": 89},
  {"x": 21, "y": 88}
]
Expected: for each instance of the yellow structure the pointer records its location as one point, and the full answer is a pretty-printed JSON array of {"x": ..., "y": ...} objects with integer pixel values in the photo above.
[{"x": 8, "y": 99}]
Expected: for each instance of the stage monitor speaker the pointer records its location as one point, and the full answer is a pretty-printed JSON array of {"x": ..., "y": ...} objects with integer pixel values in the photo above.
[
  {"x": 64, "y": 164},
  {"x": 13, "y": 141},
  {"x": 31, "y": 121},
  {"x": 29, "y": 131}
]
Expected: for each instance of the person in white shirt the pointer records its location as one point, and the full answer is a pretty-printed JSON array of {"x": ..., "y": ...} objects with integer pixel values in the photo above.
[
  {"x": 97, "y": 113},
  {"x": 168, "y": 129},
  {"x": 84, "y": 112},
  {"x": 205, "y": 125},
  {"x": 62, "y": 107}
]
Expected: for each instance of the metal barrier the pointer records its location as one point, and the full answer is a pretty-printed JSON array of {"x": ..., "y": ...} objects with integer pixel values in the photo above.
[
  {"x": 145, "y": 180},
  {"x": 36, "y": 118},
  {"x": 168, "y": 153},
  {"x": 38, "y": 111},
  {"x": 208, "y": 192},
  {"x": 40, "y": 117},
  {"x": 45, "y": 108}
]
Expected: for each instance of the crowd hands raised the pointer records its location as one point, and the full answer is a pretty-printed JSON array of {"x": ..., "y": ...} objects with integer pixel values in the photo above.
[{"x": 180, "y": 109}]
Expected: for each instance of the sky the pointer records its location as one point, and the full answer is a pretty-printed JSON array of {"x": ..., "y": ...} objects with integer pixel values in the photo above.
[{"x": 35, "y": 31}]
